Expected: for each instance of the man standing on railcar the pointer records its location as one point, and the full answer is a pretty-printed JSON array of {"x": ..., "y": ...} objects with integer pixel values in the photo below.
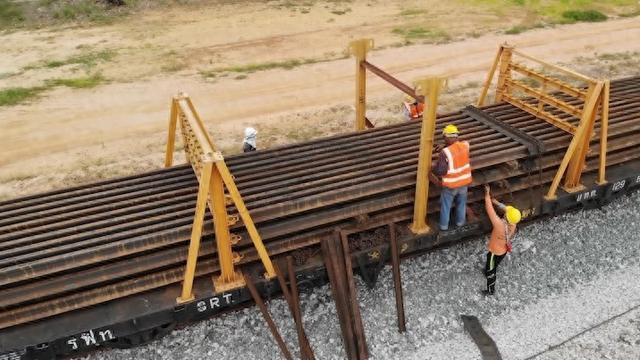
[
  {"x": 454, "y": 168},
  {"x": 504, "y": 230}
]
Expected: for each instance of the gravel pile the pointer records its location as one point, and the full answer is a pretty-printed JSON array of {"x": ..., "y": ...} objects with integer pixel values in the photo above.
[{"x": 566, "y": 274}]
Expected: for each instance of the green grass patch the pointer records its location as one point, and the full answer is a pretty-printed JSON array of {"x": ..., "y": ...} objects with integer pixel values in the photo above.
[
  {"x": 249, "y": 68},
  {"x": 255, "y": 67},
  {"x": 85, "y": 82},
  {"x": 522, "y": 28},
  {"x": 584, "y": 16},
  {"x": 11, "y": 13},
  {"x": 40, "y": 13},
  {"x": 559, "y": 11},
  {"x": 516, "y": 30},
  {"x": 19, "y": 95},
  {"x": 90, "y": 10},
  {"x": 87, "y": 59},
  {"x": 420, "y": 33}
]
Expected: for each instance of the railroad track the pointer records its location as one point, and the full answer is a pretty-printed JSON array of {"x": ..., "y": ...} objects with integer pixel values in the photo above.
[{"x": 66, "y": 252}]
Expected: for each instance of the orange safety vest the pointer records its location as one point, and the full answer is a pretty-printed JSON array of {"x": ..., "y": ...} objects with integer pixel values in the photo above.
[
  {"x": 499, "y": 239},
  {"x": 415, "y": 111},
  {"x": 459, "y": 171}
]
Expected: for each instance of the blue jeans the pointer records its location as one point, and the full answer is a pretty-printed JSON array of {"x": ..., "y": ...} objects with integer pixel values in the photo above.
[{"x": 447, "y": 198}]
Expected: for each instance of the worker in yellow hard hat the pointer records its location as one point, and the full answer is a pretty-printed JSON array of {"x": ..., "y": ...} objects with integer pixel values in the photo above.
[
  {"x": 503, "y": 233},
  {"x": 412, "y": 108},
  {"x": 454, "y": 169}
]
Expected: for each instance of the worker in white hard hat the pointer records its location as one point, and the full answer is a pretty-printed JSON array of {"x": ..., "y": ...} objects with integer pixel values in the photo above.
[
  {"x": 502, "y": 235},
  {"x": 249, "y": 142},
  {"x": 454, "y": 168}
]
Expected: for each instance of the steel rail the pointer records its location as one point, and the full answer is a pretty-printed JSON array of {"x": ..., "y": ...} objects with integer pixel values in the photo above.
[{"x": 285, "y": 219}]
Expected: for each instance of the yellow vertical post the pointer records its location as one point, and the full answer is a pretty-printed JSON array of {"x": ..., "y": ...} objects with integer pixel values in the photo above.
[
  {"x": 604, "y": 129},
  {"x": 359, "y": 49},
  {"x": 229, "y": 278},
  {"x": 171, "y": 137},
  {"x": 576, "y": 165},
  {"x": 196, "y": 232},
  {"x": 577, "y": 138},
  {"x": 487, "y": 83},
  {"x": 430, "y": 88},
  {"x": 505, "y": 61}
]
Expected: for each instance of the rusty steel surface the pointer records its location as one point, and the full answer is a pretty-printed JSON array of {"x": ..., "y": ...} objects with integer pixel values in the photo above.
[{"x": 68, "y": 250}]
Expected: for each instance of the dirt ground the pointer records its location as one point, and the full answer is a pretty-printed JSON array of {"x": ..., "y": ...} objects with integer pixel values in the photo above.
[{"x": 69, "y": 136}]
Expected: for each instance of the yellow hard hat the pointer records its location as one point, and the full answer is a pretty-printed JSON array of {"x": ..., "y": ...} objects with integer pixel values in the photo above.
[
  {"x": 409, "y": 99},
  {"x": 450, "y": 130},
  {"x": 513, "y": 215}
]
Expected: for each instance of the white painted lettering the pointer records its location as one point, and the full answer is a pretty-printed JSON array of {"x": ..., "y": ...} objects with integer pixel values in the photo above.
[
  {"x": 74, "y": 343},
  {"x": 106, "y": 335},
  {"x": 618, "y": 185},
  {"x": 227, "y": 298},
  {"x": 202, "y": 306},
  {"x": 586, "y": 195},
  {"x": 11, "y": 356},
  {"x": 89, "y": 338},
  {"x": 214, "y": 302}
]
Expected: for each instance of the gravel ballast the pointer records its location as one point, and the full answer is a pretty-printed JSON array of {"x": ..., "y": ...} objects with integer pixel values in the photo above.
[{"x": 569, "y": 290}]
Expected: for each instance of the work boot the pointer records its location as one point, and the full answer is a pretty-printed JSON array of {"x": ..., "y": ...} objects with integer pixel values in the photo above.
[{"x": 486, "y": 292}]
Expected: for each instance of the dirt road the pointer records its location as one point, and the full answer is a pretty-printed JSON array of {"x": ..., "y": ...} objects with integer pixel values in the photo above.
[{"x": 63, "y": 126}]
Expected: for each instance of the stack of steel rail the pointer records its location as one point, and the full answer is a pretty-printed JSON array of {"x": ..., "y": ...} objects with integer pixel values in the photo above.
[{"x": 69, "y": 250}]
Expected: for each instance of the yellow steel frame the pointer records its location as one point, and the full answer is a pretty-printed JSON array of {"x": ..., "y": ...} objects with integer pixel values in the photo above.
[
  {"x": 213, "y": 177},
  {"x": 359, "y": 49},
  {"x": 596, "y": 102},
  {"x": 429, "y": 87}
]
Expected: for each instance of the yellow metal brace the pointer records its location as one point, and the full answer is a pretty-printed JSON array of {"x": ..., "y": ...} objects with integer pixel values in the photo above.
[
  {"x": 505, "y": 59},
  {"x": 579, "y": 138},
  {"x": 429, "y": 87},
  {"x": 489, "y": 80},
  {"x": 604, "y": 132},
  {"x": 359, "y": 49},
  {"x": 213, "y": 176}
]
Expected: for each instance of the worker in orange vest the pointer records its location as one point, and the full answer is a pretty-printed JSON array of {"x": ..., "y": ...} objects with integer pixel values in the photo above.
[
  {"x": 455, "y": 169},
  {"x": 503, "y": 233},
  {"x": 412, "y": 109}
]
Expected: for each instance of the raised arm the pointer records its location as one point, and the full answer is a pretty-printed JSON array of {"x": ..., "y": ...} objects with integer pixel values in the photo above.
[{"x": 491, "y": 212}]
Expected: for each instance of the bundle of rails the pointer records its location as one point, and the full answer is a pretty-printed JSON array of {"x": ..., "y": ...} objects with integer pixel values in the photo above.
[{"x": 105, "y": 261}]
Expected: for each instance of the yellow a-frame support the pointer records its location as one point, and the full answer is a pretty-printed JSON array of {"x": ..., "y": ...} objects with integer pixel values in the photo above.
[
  {"x": 213, "y": 177},
  {"x": 538, "y": 101}
]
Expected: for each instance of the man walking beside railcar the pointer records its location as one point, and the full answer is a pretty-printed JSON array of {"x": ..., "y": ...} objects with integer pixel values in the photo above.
[
  {"x": 504, "y": 230},
  {"x": 454, "y": 168}
]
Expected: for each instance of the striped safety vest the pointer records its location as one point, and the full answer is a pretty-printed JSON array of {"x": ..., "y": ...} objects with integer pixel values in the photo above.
[
  {"x": 459, "y": 171},
  {"x": 414, "y": 111}
]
